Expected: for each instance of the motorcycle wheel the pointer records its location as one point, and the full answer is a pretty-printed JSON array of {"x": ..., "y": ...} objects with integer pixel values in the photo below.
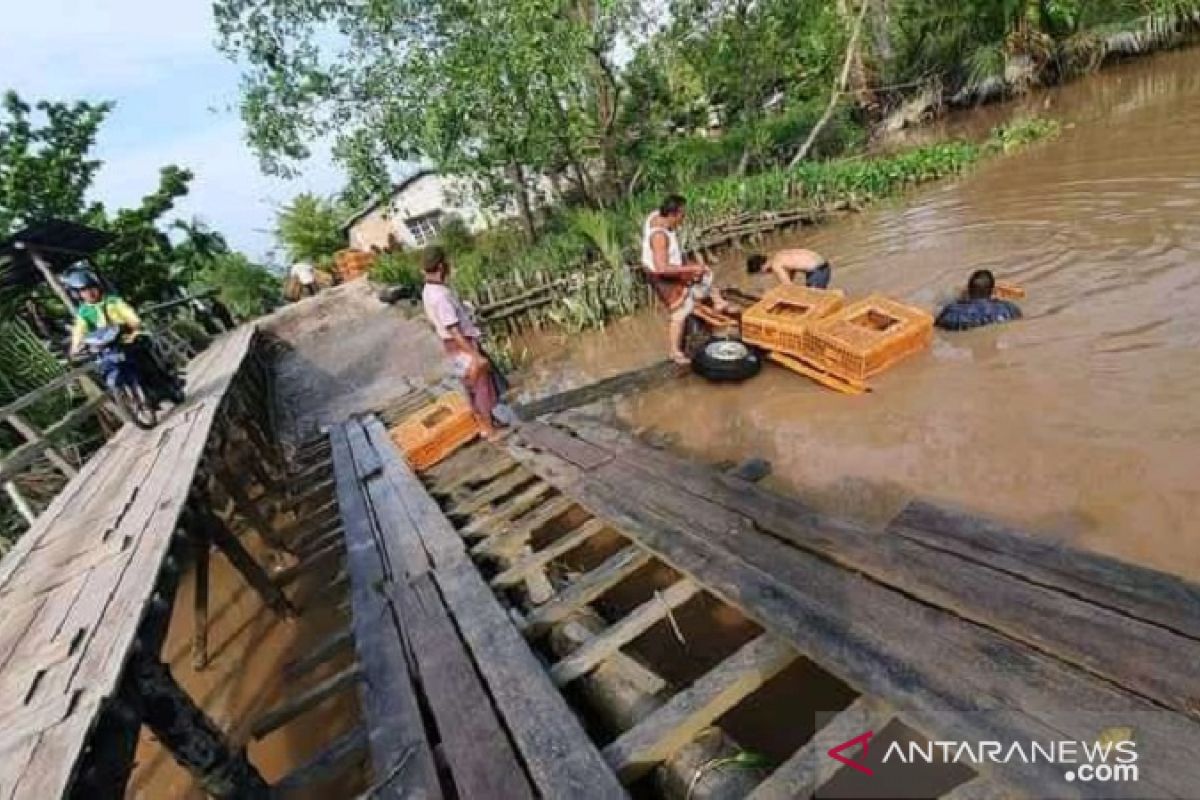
[{"x": 133, "y": 400}]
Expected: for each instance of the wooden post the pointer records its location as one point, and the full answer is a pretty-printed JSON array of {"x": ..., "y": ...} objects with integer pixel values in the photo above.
[
  {"x": 194, "y": 741},
  {"x": 254, "y": 574},
  {"x": 19, "y": 501},
  {"x": 246, "y": 507},
  {"x": 34, "y": 436},
  {"x": 201, "y": 545},
  {"x": 44, "y": 267}
]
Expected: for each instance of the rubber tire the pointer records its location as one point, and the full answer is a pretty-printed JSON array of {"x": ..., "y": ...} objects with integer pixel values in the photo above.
[
  {"x": 138, "y": 408},
  {"x": 695, "y": 335},
  {"x": 720, "y": 368}
]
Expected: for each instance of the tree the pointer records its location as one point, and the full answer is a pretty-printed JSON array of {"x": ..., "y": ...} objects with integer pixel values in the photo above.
[
  {"x": 246, "y": 288},
  {"x": 497, "y": 91},
  {"x": 310, "y": 228},
  {"x": 46, "y": 171}
]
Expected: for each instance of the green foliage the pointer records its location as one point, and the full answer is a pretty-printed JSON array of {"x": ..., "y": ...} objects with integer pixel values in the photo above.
[
  {"x": 246, "y": 288},
  {"x": 398, "y": 269},
  {"x": 26, "y": 364},
  {"x": 455, "y": 236},
  {"x": 310, "y": 229},
  {"x": 1023, "y": 132}
]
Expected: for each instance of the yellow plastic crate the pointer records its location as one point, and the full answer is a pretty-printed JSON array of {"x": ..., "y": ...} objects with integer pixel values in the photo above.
[
  {"x": 867, "y": 337},
  {"x": 778, "y": 321},
  {"x": 433, "y": 434}
]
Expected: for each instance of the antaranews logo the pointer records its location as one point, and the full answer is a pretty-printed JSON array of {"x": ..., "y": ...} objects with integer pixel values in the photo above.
[{"x": 1110, "y": 759}]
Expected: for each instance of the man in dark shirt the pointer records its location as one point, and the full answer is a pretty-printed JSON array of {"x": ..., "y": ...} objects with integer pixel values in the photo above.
[{"x": 977, "y": 307}]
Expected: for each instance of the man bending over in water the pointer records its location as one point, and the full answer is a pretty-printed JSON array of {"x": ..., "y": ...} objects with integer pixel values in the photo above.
[
  {"x": 977, "y": 307},
  {"x": 679, "y": 285},
  {"x": 787, "y": 264}
]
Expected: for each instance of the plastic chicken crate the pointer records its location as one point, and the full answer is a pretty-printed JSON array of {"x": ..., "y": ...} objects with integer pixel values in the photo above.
[
  {"x": 436, "y": 431},
  {"x": 778, "y": 321},
  {"x": 351, "y": 264},
  {"x": 867, "y": 337}
]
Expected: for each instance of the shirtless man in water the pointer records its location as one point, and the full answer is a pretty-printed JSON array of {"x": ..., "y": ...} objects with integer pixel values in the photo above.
[{"x": 787, "y": 264}]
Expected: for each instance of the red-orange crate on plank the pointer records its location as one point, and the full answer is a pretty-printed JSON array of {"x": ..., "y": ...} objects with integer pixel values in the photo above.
[
  {"x": 867, "y": 337},
  {"x": 778, "y": 321},
  {"x": 436, "y": 431}
]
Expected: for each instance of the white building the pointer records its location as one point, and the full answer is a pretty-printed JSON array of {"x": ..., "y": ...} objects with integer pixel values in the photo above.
[{"x": 420, "y": 204}]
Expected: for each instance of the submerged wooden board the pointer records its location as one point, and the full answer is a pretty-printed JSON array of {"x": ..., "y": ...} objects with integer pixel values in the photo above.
[
  {"x": 949, "y": 675},
  {"x": 90, "y": 565}
]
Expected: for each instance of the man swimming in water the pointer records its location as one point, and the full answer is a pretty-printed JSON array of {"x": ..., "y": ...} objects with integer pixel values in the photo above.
[
  {"x": 977, "y": 307},
  {"x": 787, "y": 264}
]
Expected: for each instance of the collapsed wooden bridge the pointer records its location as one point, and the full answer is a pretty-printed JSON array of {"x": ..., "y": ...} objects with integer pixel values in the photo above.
[{"x": 571, "y": 613}]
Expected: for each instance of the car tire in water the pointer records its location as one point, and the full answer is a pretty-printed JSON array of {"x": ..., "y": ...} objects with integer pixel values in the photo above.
[{"x": 726, "y": 361}]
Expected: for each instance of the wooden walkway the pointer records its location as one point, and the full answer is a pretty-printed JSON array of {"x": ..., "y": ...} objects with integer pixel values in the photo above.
[
  {"x": 75, "y": 589},
  {"x": 955, "y": 626}
]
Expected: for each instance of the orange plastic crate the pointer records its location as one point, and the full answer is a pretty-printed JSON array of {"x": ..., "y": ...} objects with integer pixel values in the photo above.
[
  {"x": 778, "y": 321},
  {"x": 351, "y": 264},
  {"x": 436, "y": 431},
  {"x": 867, "y": 337}
]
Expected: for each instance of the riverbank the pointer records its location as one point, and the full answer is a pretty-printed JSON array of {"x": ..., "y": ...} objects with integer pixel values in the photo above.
[{"x": 1077, "y": 423}]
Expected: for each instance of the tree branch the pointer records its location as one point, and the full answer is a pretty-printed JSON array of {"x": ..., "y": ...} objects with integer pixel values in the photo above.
[{"x": 839, "y": 88}]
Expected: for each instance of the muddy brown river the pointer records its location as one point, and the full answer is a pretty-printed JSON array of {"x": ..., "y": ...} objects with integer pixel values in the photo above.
[{"x": 1080, "y": 422}]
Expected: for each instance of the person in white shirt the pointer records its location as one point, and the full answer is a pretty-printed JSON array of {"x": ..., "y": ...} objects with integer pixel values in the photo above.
[
  {"x": 679, "y": 285},
  {"x": 306, "y": 275}
]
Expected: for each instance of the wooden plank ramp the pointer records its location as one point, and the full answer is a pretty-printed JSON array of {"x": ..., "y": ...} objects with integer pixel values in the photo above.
[
  {"x": 75, "y": 588},
  {"x": 430, "y": 634}
]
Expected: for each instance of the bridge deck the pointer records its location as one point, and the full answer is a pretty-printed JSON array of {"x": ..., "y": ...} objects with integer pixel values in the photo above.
[{"x": 75, "y": 588}]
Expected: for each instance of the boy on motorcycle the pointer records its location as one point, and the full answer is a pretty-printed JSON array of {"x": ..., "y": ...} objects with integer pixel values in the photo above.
[{"x": 99, "y": 309}]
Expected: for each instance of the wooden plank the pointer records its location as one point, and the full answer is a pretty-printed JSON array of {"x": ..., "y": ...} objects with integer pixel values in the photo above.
[
  {"x": 1142, "y": 593},
  {"x": 1151, "y": 660},
  {"x": 635, "y": 380},
  {"x": 538, "y": 560},
  {"x": 508, "y": 540},
  {"x": 578, "y": 452},
  {"x": 461, "y": 482},
  {"x": 342, "y": 753},
  {"x": 474, "y": 743},
  {"x": 386, "y": 693},
  {"x": 52, "y": 765},
  {"x": 491, "y": 492},
  {"x": 809, "y": 768},
  {"x": 585, "y": 589},
  {"x": 560, "y": 757},
  {"x": 660, "y": 735},
  {"x": 506, "y": 512},
  {"x": 631, "y": 626},
  {"x": 296, "y": 705},
  {"x": 326, "y": 651},
  {"x": 948, "y": 677},
  {"x": 45, "y": 390},
  {"x": 33, "y": 436}
]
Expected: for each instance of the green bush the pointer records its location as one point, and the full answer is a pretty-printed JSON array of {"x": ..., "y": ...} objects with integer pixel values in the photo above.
[{"x": 398, "y": 269}]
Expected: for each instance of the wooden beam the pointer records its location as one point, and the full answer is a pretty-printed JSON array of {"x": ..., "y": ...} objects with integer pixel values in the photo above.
[
  {"x": 43, "y": 266},
  {"x": 558, "y": 753},
  {"x": 324, "y": 555},
  {"x": 809, "y": 767},
  {"x": 191, "y": 738},
  {"x": 249, "y": 511},
  {"x": 585, "y": 589},
  {"x": 502, "y": 514},
  {"x": 34, "y": 436},
  {"x": 635, "y": 380},
  {"x": 659, "y": 736},
  {"x": 488, "y": 494},
  {"x": 298, "y": 704},
  {"x": 254, "y": 574},
  {"x": 538, "y": 560},
  {"x": 390, "y": 708},
  {"x": 319, "y": 654},
  {"x": 508, "y": 540},
  {"x": 339, "y": 756},
  {"x": 201, "y": 547},
  {"x": 474, "y": 742},
  {"x": 631, "y": 626},
  {"x": 28, "y": 453},
  {"x": 20, "y": 503}
]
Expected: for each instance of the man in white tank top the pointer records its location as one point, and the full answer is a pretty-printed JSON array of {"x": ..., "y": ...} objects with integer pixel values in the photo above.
[{"x": 678, "y": 284}]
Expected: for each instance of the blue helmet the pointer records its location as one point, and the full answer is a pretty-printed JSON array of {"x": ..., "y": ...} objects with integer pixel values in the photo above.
[{"x": 80, "y": 279}]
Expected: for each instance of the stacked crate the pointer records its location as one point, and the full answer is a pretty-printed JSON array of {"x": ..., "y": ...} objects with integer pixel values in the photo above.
[{"x": 433, "y": 433}]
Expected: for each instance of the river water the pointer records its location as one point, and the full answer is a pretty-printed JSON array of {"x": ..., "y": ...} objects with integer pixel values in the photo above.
[{"x": 1080, "y": 422}]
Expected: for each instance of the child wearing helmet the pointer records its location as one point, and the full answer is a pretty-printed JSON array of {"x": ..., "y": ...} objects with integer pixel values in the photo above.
[{"x": 98, "y": 309}]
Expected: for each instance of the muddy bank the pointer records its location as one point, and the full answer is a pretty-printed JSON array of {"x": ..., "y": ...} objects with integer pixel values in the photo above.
[{"x": 1079, "y": 422}]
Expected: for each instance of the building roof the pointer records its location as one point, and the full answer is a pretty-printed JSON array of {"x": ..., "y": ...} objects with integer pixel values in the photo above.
[
  {"x": 376, "y": 202},
  {"x": 60, "y": 242}
]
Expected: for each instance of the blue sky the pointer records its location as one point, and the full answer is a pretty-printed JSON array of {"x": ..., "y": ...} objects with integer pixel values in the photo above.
[{"x": 176, "y": 103}]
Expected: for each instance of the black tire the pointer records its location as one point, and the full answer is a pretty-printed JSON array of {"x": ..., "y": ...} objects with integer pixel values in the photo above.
[
  {"x": 394, "y": 294},
  {"x": 726, "y": 361},
  {"x": 135, "y": 403}
]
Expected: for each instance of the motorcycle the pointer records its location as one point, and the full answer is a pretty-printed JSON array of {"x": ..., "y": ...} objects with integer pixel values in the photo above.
[{"x": 138, "y": 396}]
